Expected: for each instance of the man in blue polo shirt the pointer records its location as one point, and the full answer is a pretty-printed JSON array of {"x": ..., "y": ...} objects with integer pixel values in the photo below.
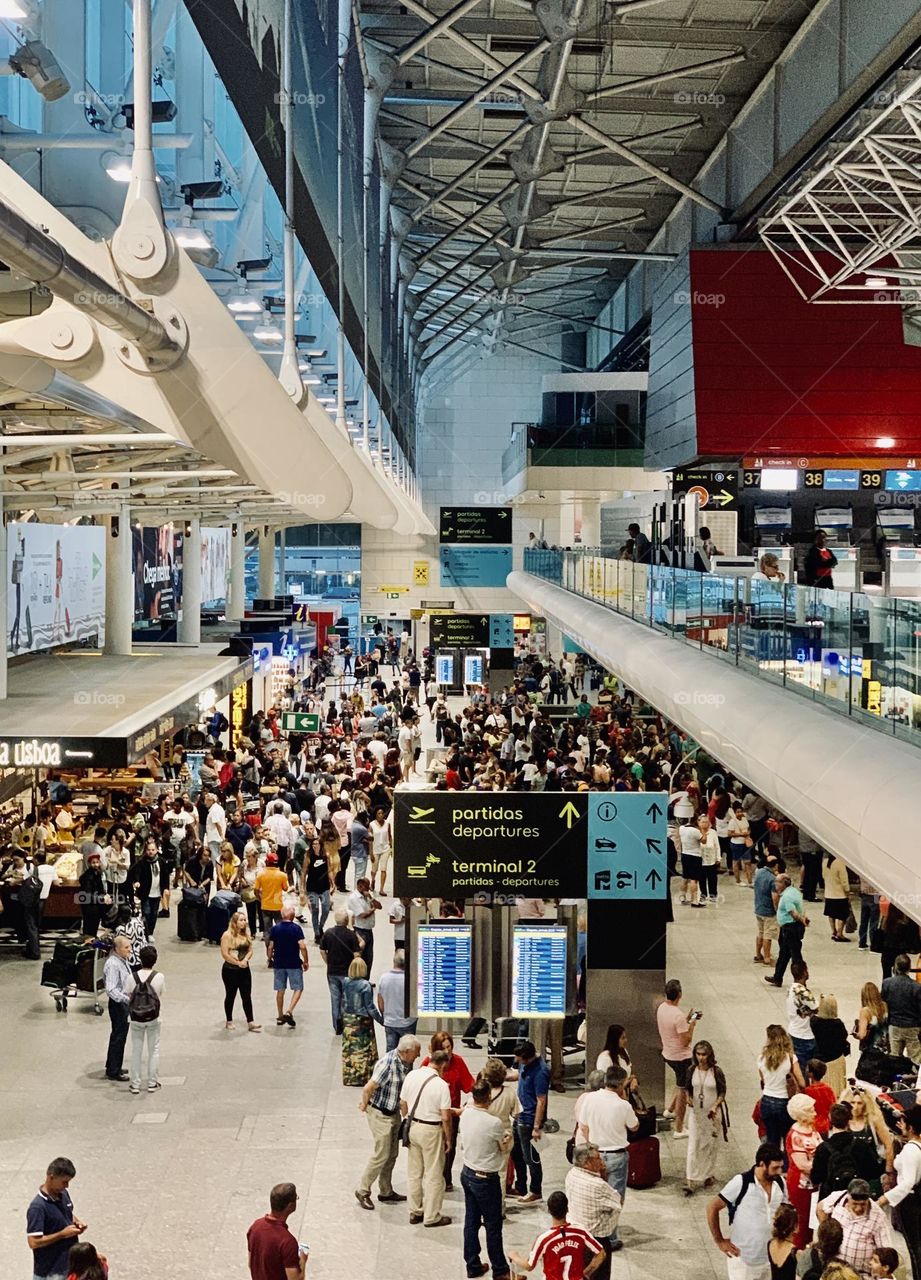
[
  {"x": 51, "y": 1227},
  {"x": 533, "y": 1083},
  {"x": 792, "y": 918}
]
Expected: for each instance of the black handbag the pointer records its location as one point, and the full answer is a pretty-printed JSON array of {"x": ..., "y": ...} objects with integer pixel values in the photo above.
[{"x": 407, "y": 1120}]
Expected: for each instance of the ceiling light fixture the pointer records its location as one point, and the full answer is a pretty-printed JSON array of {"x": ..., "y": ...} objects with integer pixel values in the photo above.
[
  {"x": 268, "y": 333},
  {"x": 242, "y": 304},
  {"x": 117, "y": 167},
  {"x": 876, "y": 282},
  {"x": 191, "y": 238},
  {"x": 884, "y": 442},
  {"x": 10, "y": 9}
]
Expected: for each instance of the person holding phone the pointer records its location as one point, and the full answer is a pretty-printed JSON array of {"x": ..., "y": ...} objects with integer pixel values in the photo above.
[{"x": 274, "y": 1253}]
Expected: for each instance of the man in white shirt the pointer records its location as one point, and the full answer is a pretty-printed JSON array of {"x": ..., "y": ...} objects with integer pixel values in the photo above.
[
  {"x": 215, "y": 827},
  {"x": 485, "y": 1144},
  {"x": 426, "y": 1097},
  {"x": 408, "y": 739},
  {"x": 363, "y": 907},
  {"x": 605, "y": 1118},
  {"x": 282, "y": 832},
  {"x": 752, "y": 1199}
]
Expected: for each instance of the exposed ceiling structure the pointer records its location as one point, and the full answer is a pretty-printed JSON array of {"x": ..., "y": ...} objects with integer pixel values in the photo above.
[
  {"x": 849, "y": 228},
  {"x": 535, "y": 149}
]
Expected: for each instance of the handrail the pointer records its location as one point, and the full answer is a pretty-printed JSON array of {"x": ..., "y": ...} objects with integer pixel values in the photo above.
[{"x": 857, "y": 654}]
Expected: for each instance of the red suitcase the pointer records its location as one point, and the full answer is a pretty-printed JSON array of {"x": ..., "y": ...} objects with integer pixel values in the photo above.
[{"x": 643, "y": 1169}]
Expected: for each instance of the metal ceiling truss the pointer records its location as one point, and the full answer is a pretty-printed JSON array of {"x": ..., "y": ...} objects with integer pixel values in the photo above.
[
  {"x": 851, "y": 230},
  {"x": 518, "y": 139}
]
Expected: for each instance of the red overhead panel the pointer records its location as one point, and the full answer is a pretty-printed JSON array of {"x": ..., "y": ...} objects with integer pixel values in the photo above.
[{"x": 774, "y": 374}]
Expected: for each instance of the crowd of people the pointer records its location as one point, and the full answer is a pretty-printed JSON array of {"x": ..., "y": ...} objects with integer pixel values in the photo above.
[{"x": 287, "y": 842}]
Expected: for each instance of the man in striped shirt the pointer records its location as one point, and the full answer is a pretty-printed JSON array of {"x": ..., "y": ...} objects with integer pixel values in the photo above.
[{"x": 563, "y": 1248}]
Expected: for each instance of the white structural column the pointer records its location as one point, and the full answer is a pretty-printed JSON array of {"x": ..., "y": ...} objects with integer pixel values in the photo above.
[
  {"x": 6, "y": 605},
  {"x": 119, "y": 590},
  {"x": 266, "y": 563},
  {"x": 590, "y": 519},
  {"x": 236, "y": 594},
  {"x": 190, "y": 622}
]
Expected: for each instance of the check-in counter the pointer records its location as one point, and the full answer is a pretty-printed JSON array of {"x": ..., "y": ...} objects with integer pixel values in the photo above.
[
  {"x": 903, "y": 571},
  {"x": 846, "y": 573}
]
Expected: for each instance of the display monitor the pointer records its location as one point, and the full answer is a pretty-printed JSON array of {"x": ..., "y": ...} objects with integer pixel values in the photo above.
[
  {"x": 539, "y": 967},
  {"x": 842, "y": 479},
  {"x": 443, "y": 970},
  {"x": 903, "y": 481},
  {"x": 473, "y": 668},
  {"x": 444, "y": 668},
  {"x": 896, "y": 524}
]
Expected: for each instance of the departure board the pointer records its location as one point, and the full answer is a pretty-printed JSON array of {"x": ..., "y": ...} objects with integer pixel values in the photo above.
[
  {"x": 444, "y": 970},
  {"x": 538, "y": 971}
]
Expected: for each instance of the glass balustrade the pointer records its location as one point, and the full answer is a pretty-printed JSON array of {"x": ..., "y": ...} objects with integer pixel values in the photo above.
[{"x": 855, "y": 653}]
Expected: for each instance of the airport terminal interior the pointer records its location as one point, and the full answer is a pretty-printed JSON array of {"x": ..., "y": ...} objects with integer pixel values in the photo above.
[{"x": 460, "y": 639}]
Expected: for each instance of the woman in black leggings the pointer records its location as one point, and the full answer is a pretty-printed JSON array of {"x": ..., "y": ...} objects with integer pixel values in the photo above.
[{"x": 237, "y": 951}]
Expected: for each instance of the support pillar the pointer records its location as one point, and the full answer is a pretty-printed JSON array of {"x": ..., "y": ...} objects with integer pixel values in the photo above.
[
  {"x": 590, "y": 522},
  {"x": 4, "y": 607},
  {"x": 236, "y": 593},
  {"x": 189, "y": 630},
  {"x": 266, "y": 563},
  {"x": 119, "y": 591}
]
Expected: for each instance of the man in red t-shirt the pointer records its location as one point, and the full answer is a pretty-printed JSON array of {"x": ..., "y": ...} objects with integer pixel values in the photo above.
[
  {"x": 564, "y": 1248},
  {"x": 274, "y": 1253}
]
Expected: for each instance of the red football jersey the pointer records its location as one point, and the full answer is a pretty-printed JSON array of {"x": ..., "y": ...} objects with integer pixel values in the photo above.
[{"x": 562, "y": 1251}]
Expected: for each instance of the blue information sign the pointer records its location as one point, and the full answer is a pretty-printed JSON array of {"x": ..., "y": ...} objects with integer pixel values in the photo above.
[
  {"x": 501, "y": 631},
  {"x": 538, "y": 971},
  {"x": 475, "y": 566},
  {"x": 444, "y": 970},
  {"x": 627, "y": 845},
  {"x": 903, "y": 481}
]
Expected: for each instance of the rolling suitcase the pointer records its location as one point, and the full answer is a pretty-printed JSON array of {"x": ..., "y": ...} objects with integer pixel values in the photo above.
[
  {"x": 218, "y": 920},
  {"x": 190, "y": 922},
  {"x": 643, "y": 1169}
]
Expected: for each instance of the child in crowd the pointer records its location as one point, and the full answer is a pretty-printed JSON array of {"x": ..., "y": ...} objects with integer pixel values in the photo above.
[
  {"x": 822, "y": 1094},
  {"x": 883, "y": 1264}
]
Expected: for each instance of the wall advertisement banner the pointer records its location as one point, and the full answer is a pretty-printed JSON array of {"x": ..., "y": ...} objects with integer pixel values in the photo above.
[
  {"x": 215, "y": 566},
  {"x": 157, "y": 572},
  {"x": 57, "y": 585}
]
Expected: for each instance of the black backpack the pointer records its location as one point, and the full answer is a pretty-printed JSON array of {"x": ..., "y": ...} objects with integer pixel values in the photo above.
[
  {"x": 29, "y": 891},
  {"x": 144, "y": 1003},
  {"x": 842, "y": 1167},
  {"x": 748, "y": 1177}
]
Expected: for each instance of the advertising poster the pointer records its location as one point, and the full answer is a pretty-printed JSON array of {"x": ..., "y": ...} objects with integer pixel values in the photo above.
[
  {"x": 215, "y": 566},
  {"x": 57, "y": 585},
  {"x": 157, "y": 560}
]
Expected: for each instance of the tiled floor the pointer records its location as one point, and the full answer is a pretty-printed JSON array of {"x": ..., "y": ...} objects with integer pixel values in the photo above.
[{"x": 169, "y": 1183}]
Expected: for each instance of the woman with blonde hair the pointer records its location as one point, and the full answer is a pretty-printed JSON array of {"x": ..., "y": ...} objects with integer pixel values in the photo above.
[
  {"x": 236, "y": 952},
  {"x": 871, "y": 1030},
  {"x": 831, "y": 1046},
  {"x": 868, "y": 1127},
  {"x": 228, "y": 867},
  {"x": 802, "y": 1141},
  {"x": 776, "y": 1065},
  {"x": 359, "y": 1014}
]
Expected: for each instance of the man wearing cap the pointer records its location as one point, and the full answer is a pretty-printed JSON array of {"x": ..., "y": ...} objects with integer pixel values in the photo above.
[
  {"x": 865, "y": 1226},
  {"x": 270, "y": 887}
]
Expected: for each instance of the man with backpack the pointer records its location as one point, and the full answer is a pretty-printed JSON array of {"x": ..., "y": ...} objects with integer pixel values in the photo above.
[
  {"x": 751, "y": 1198},
  {"x": 842, "y": 1156},
  {"x": 145, "y": 992}
]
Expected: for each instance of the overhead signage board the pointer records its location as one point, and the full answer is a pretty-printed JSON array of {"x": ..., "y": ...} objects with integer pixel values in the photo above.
[
  {"x": 466, "y": 844},
  {"x": 301, "y": 721},
  {"x": 627, "y": 845},
  {"x": 475, "y": 524},
  {"x": 501, "y": 631},
  {"x": 460, "y": 630},
  {"x": 716, "y": 490},
  {"x": 475, "y": 566}
]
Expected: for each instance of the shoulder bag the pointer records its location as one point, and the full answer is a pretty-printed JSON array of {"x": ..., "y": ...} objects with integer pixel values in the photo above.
[{"x": 406, "y": 1122}]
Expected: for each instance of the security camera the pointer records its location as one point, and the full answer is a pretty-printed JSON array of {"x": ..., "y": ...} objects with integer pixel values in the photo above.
[{"x": 33, "y": 61}]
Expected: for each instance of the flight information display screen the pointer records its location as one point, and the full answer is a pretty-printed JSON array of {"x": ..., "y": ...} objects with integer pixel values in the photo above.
[
  {"x": 444, "y": 970},
  {"x": 538, "y": 971}
]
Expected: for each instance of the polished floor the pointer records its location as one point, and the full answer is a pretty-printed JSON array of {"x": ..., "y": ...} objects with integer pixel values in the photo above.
[{"x": 168, "y": 1183}]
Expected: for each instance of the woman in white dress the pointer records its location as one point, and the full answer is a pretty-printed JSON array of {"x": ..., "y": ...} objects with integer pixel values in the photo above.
[{"x": 706, "y": 1098}]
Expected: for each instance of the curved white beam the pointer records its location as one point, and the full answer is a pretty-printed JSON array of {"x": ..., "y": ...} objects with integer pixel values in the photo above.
[{"x": 854, "y": 789}]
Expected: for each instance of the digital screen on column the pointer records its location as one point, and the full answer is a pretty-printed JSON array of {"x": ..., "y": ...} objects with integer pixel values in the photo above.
[
  {"x": 444, "y": 970},
  {"x": 538, "y": 971}
]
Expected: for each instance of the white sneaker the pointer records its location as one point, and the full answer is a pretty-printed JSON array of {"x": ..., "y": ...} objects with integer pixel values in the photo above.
[
  {"x": 668, "y": 1115},
  {"x": 678, "y": 1134}
]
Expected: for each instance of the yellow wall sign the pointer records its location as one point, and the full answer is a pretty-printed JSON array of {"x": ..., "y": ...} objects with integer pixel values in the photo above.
[
  {"x": 421, "y": 573},
  {"x": 393, "y": 591},
  {"x": 522, "y": 622}
]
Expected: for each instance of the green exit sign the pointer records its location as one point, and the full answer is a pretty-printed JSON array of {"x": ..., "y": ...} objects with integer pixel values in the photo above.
[{"x": 300, "y": 721}]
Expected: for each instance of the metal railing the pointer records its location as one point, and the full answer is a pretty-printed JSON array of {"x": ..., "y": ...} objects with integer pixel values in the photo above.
[{"x": 857, "y": 654}]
